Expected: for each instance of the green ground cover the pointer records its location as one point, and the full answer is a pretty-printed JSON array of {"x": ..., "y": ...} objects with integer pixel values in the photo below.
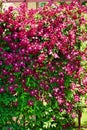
[{"x": 84, "y": 118}]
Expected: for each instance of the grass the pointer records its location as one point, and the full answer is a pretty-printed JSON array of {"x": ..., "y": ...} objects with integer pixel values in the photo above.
[{"x": 83, "y": 118}]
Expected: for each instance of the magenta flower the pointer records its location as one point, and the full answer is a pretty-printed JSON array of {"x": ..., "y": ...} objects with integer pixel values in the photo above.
[
  {"x": 30, "y": 103},
  {"x": 2, "y": 90},
  {"x": 76, "y": 98},
  {"x": 85, "y": 81},
  {"x": 73, "y": 115}
]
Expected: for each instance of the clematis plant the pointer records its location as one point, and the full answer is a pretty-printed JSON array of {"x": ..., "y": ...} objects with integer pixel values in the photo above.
[{"x": 43, "y": 74}]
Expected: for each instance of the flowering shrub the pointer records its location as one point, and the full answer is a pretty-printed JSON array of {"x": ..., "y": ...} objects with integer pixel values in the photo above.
[{"x": 42, "y": 78}]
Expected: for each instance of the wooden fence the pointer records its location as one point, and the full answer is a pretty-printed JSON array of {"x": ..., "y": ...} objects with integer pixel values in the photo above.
[{"x": 35, "y": 3}]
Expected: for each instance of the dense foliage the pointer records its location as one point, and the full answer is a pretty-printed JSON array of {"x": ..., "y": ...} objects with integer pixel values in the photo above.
[{"x": 42, "y": 78}]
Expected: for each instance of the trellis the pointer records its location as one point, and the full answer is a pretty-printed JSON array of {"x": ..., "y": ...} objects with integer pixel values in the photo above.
[{"x": 79, "y": 127}]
